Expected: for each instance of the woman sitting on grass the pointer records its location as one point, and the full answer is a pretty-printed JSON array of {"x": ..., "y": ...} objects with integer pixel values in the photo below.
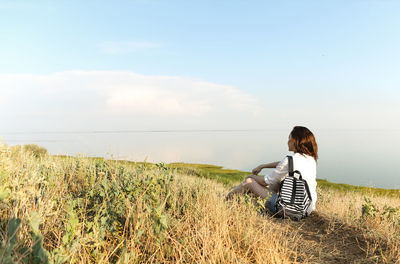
[{"x": 302, "y": 143}]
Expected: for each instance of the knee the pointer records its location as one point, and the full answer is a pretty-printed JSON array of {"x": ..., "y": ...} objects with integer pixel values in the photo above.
[{"x": 248, "y": 181}]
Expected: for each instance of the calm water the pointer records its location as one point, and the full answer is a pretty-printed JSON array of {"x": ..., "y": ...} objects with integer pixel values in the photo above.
[{"x": 359, "y": 157}]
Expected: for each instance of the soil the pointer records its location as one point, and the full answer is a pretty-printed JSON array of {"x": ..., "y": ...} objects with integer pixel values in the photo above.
[{"x": 328, "y": 241}]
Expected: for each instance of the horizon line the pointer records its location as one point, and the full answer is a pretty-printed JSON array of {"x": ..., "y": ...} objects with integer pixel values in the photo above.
[{"x": 175, "y": 130}]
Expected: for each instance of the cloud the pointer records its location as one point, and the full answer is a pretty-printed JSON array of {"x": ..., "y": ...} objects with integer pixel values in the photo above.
[
  {"x": 123, "y": 47},
  {"x": 122, "y": 100},
  {"x": 103, "y": 98},
  {"x": 173, "y": 96}
]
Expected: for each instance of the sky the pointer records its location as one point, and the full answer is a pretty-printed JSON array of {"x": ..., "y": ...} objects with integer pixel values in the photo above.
[{"x": 165, "y": 65}]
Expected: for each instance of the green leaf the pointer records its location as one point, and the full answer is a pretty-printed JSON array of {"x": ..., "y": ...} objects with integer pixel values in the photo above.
[
  {"x": 34, "y": 221},
  {"x": 89, "y": 225},
  {"x": 40, "y": 255},
  {"x": 7, "y": 260},
  {"x": 4, "y": 193},
  {"x": 13, "y": 226},
  {"x": 65, "y": 239},
  {"x": 24, "y": 250},
  {"x": 164, "y": 221}
]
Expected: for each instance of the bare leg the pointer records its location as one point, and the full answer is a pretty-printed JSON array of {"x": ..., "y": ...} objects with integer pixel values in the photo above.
[{"x": 250, "y": 185}]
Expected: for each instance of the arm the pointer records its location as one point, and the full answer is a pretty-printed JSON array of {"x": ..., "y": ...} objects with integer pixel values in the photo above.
[
  {"x": 260, "y": 179},
  {"x": 257, "y": 169}
]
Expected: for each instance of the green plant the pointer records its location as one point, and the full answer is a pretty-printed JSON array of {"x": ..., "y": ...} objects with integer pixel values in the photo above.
[
  {"x": 36, "y": 150},
  {"x": 368, "y": 208},
  {"x": 92, "y": 210},
  {"x": 391, "y": 213},
  {"x": 12, "y": 250}
]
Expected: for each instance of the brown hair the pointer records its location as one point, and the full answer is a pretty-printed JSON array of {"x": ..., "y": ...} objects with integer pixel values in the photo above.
[{"x": 304, "y": 141}]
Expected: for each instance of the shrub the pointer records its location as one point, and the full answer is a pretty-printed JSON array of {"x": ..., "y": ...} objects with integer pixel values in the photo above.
[
  {"x": 35, "y": 150},
  {"x": 368, "y": 208}
]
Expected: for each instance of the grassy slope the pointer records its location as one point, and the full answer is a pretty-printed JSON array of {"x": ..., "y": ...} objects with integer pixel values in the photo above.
[
  {"x": 85, "y": 210},
  {"x": 81, "y": 210},
  {"x": 228, "y": 176}
]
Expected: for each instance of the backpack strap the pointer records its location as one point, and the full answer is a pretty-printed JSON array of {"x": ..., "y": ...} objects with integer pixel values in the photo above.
[
  {"x": 291, "y": 174},
  {"x": 308, "y": 190},
  {"x": 290, "y": 158},
  {"x": 298, "y": 172},
  {"x": 293, "y": 192}
]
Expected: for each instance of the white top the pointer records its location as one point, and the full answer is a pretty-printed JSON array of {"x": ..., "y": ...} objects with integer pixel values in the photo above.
[{"x": 305, "y": 164}]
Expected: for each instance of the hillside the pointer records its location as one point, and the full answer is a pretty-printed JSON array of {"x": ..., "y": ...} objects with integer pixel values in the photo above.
[{"x": 91, "y": 210}]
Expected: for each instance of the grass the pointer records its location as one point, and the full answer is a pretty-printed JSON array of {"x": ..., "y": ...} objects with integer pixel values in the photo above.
[
  {"x": 60, "y": 209},
  {"x": 225, "y": 176},
  {"x": 341, "y": 187},
  {"x": 229, "y": 177}
]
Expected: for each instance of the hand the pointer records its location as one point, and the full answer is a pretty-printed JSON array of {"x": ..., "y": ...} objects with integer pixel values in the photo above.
[{"x": 256, "y": 170}]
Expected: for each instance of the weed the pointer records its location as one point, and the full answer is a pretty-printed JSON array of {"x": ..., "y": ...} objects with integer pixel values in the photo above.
[{"x": 368, "y": 208}]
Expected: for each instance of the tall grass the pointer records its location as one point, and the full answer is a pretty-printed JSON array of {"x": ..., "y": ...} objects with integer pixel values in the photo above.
[
  {"x": 79, "y": 210},
  {"x": 375, "y": 217},
  {"x": 85, "y": 210}
]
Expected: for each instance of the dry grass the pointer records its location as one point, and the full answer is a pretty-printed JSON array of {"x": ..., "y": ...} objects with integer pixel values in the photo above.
[
  {"x": 188, "y": 222},
  {"x": 96, "y": 211},
  {"x": 377, "y": 230},
  {"x": 213, "y": 231}
]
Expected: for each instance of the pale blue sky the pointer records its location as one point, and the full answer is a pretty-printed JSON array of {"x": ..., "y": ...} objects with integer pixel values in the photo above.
[{"x": 199, "y": 64}]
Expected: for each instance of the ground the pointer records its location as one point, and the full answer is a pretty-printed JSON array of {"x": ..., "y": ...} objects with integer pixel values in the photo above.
[{"x": 327, "y": 241}]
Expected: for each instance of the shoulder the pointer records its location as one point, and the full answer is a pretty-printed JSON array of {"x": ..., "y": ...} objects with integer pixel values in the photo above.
[
  {"x": 284, "y": 162},
  {"x": 304, "y": 158}
]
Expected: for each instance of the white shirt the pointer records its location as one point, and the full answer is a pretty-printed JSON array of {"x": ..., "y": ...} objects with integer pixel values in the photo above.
[{"x": 305, "y": 164}]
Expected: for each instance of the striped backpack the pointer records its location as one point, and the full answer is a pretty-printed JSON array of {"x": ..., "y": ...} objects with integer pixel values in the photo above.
[{"x": 294, "y": 196}]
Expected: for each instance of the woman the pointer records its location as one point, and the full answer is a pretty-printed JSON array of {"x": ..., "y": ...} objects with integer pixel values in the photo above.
[{"x": 302, "y": 143}]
